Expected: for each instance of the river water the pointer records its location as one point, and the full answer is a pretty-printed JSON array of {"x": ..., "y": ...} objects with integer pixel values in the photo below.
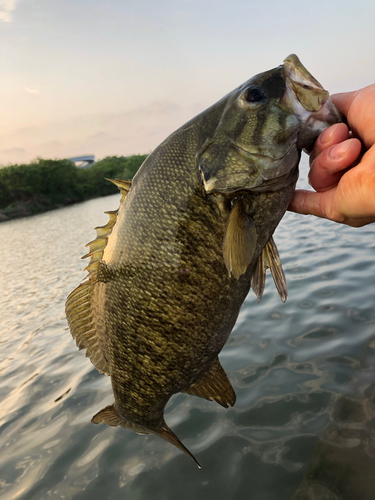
[{"x": 303, "y": 426}]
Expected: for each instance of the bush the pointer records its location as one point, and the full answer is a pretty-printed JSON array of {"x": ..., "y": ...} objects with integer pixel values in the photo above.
[{"x": 60, "y": 182}]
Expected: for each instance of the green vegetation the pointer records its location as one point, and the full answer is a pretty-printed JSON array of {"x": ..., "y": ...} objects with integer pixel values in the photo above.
[{"x": 46, "y": 184}]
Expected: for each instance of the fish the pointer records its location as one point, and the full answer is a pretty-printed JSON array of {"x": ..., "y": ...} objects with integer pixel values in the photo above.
[{"x": 194, "y": 232}]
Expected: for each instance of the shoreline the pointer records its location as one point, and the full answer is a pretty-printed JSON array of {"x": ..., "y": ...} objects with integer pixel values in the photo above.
[{"x": 22, "y": 209}]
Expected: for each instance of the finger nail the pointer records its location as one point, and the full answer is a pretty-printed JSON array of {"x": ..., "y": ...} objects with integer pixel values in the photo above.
[
  {"x": 327, "y": 135},
  {"x": 340, "y": 150}
]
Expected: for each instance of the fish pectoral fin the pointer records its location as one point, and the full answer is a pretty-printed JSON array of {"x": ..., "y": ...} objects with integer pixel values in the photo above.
[
  {"x": 239, "y": 241},
  {"x": 109, "y": 416},
  {"x": 214, "y": 386},
  {"x": 269, "y": 258}
]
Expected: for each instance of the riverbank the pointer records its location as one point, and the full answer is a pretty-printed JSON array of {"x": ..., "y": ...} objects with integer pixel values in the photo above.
[{"x": 45, "y": 185}]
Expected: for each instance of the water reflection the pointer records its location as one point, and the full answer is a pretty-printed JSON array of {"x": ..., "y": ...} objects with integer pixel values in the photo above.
[{"x": 303, "y": 425}]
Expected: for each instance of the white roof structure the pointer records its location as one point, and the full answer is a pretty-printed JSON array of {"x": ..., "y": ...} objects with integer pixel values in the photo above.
[{"x": 85, "y": 161}]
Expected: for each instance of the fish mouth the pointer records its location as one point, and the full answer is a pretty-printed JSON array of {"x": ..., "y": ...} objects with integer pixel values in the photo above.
[{"x": 309, "y": 101}]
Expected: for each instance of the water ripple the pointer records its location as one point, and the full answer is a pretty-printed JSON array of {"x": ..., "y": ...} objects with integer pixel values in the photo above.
[{"x": 303, "y": 373}]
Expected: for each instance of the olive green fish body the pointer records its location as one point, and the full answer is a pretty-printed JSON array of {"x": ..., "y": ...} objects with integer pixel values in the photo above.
[{"x": 170, "y": 271}]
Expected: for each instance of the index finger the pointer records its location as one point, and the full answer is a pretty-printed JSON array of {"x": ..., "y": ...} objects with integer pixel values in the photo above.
[{"x": 332, "y": 135}]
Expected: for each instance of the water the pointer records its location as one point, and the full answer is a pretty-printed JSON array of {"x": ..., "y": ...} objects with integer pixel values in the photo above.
[{"x": 303, "y": 426}]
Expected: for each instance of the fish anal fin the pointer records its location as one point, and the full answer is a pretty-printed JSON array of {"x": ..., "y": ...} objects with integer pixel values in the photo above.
[
  {"x": 214, "y": 386},
  {"x": 269, "y": 258},
  {"x": 110, "y": 416},
  {"x": 239, "y": 241}
]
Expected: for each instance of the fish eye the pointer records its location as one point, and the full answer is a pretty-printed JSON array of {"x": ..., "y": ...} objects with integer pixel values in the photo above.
[{"x": 254, "y": 94}]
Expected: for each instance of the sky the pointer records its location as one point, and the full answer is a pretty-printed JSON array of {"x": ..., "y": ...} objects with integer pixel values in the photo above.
[{"x": 116, "y": 77}]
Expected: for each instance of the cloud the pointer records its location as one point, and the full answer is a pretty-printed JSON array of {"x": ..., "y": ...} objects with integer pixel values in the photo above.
[
  {"x": 34, "y": 90},
  {"x": 6, "y": 9},
  {"x": 135, "y": 131},
  {"x": 13, "y": 151}
]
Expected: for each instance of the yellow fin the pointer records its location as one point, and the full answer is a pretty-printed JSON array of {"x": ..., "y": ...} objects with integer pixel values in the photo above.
[
  {"x": 110, "y": 416},
  {"x": 214, "y": 386},
  {"x": 239, "y": 241},
  {"x": 80, "y": 319},
  {"x": 78, "y": 306},
  {"x": 123, "y": 185},
  {"x": 269, "y": 258}
]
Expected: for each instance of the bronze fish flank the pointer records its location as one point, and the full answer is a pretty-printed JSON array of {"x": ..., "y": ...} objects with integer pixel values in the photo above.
[{"x": 170, "y": 270}]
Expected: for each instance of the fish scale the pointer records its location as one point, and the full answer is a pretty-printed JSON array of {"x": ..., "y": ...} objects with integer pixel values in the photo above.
[{"x": 171, "y": 269}]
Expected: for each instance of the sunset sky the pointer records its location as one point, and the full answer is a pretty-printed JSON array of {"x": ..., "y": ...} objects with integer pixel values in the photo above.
[{"x": 115, "y": 77}]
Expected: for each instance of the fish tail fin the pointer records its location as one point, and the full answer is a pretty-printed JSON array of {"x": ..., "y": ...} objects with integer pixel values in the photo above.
[
  {"x": 110, "y": 416},
  {"x": 166, "y": 433}
]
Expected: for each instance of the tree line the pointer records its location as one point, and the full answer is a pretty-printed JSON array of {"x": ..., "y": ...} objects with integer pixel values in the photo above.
[{"x": 46, "y": 184}]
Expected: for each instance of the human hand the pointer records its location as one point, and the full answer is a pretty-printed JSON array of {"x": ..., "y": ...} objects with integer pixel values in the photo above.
[{"x": 342, "y": 165}]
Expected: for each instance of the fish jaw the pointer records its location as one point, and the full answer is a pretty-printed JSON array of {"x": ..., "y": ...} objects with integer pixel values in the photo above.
[{"x": 309, "y": 101}]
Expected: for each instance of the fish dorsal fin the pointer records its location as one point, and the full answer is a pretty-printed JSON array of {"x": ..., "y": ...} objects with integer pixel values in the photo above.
[
  {"x": 79, "y": 303},
  {"x": 110, "y": 416},
  {"x": 239, "y": 241},
  {"x": 269, "y": 258},
  {"x": 123, "y": 185},
  {"x": 214, "y": 386}
]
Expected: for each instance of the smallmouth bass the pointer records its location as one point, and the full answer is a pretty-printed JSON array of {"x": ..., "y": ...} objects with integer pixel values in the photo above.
[{"x": 171, "y": 269}]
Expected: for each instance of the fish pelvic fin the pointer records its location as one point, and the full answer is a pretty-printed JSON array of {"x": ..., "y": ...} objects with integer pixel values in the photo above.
[
  {"x": 79, "y": 304},
  {"x": 110, "y": 416},
  {"x": 239, "y": 241},
  {"x": 269, "y": 258},
  {"x": 214, "y": 386}
]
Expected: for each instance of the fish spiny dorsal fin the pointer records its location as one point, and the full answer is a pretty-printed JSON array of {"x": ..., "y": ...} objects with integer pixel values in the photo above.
[
  {"x": 214, "y": 386},
  {"x": 124, "y": 186},
  {"x": 79, "y": 303},
  {"x": 239, "y": 241},
  {"x": 110, "y": 416},
  {"x": 269, "y": 258}
]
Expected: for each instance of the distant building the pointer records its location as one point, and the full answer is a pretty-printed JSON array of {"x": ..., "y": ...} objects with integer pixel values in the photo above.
[{"x": 85, "y": 161}]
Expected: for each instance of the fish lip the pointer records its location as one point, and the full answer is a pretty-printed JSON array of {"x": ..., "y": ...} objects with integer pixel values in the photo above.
[{"x": 250, "y": 154}]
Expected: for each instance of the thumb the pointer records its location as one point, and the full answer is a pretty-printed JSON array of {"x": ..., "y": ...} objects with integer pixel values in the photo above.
[{"x": 318, "y": 204}]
